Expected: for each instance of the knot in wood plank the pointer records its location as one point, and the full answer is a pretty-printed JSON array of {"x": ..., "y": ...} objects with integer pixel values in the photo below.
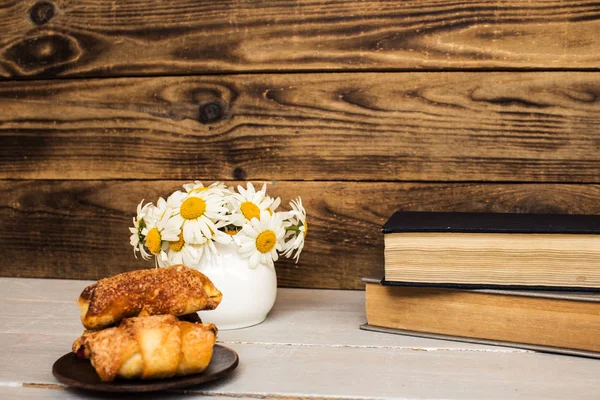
[
  {"x": 43, "y": 54},
  {"x": 211, "y": 112},
  {"x": 42, "y": 12}
]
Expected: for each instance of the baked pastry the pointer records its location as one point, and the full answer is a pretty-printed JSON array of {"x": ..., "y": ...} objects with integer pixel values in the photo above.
[
  {"x": 176, "y": 290},
  {"x": 159, "y": 346}
]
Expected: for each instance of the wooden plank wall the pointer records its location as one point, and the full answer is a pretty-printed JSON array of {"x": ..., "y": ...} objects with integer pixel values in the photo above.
[{"x": 360, "y": 107}]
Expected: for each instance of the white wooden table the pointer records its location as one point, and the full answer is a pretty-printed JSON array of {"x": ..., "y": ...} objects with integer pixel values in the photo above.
[{"x": 309, "y": 347}]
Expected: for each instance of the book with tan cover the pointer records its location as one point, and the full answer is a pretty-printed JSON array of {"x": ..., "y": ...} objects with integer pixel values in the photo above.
[{"x": 556, "y": 322}]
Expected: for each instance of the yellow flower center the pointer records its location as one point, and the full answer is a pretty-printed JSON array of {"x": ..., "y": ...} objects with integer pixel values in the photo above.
[
  {"x": 192, "y": 208},
  {"x": 231, "y": 232},
  {"x": 305, "y": 228},
  {"x": 250, "y": 210},
  {"x": 176, "y": 246},
  {"x": 266, "y": 241},
  {"x": 153, "y": 241}
]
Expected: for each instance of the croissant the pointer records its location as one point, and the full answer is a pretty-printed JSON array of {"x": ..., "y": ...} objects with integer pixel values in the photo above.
[
  {"x": 173, "y": 290},
  {"x": 159, "y": 346}
]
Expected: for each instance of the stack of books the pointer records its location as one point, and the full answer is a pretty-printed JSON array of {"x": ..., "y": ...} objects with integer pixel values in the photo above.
[{"x": 521, "y": 280}]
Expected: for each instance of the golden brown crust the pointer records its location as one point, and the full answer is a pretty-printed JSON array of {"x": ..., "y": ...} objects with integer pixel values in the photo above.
[
  {"x": 78, "y": 346},
  {"x": 148, "y": 348},
  {"x": 196, "y": 347},
  {"x": 87, "y": 292},
  {"x": 176, "y": 290},
  {"x": 109, "y": 349}
]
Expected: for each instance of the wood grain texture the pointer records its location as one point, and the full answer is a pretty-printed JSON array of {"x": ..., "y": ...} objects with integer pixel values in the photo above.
[
  {"x": 307, "y": 372},
  {"x": 303, "y": 370},
  {"x": 372, "y": 126},
  {"x": 141, "y": 37},
  {"x": 78, "y": 229},
  {"x": 290, "y": 322},
  {"x": 52, "y": 391}
]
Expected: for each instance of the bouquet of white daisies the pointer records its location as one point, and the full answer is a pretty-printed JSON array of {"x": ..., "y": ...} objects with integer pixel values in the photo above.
[{"x": 184, "y": 228}]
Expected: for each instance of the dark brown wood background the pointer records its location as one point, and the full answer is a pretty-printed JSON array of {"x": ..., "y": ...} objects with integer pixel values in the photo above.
[{"x": 360, "y": 107}]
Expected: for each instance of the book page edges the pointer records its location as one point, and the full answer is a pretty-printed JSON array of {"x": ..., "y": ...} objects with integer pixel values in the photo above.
[
  {"x": 531, "y": 347},
  {"x": 557, "y": 293}
]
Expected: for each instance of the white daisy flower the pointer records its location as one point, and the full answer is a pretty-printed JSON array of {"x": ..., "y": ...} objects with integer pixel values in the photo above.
[
  {"x": 139, "y": 223},
  {"x": 206, "y": 251},
  {"x": 180, "y": 252},
  {"x": 161, "y": 227},
  {"x": 174, "y": 200},
  {"x": 249, "y": 203},
  {"x": 200, "y": 214},
  {"x": 260, "y": 240},
  {"x": 296, "y": 229},
  {"x": 197, "y": 187},
  {"x": 274, "y": 204}
]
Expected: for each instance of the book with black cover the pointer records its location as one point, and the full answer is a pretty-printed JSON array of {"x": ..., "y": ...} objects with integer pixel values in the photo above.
[
  {"x": 471, "y": 222},
  {"x": 546, "y": 321},
  {"x": 493, "y": 250}
]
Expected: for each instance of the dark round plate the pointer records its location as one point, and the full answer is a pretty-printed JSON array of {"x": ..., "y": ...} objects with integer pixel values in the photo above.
[{"x": 79, "y": 373}]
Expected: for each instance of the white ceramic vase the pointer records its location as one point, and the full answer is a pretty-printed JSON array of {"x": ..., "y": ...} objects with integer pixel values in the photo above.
[{"x": 248, "y": 293}]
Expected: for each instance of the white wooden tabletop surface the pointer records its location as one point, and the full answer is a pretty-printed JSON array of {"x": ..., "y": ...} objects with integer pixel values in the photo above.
[{"x": 310, "y": 346}]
